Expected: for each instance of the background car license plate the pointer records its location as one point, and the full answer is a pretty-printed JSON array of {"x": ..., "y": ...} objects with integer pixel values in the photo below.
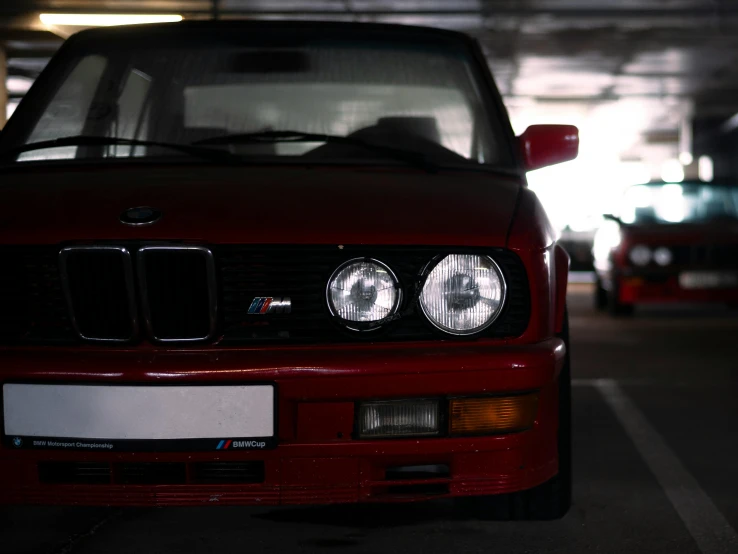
[
  {"x": 708, "y": 279},
  {"x": 104, "y": 417}
]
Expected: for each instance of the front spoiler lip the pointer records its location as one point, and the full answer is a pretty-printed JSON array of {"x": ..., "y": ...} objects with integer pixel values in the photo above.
[
  {"x": 309, "y": 474},
  {"x": 260, "y": 495}
]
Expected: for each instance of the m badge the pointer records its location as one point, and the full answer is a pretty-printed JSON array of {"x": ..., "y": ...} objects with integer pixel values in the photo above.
[{"x": 262, "y": 305}]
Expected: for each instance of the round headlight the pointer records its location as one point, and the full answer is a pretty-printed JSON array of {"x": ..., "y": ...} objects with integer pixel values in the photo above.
[
  {"x": 640, "y": 255},
  {"x": 662, "y": 256},
  {"x": 363, "y": 291},
  {"x": 463, "y": 294}
]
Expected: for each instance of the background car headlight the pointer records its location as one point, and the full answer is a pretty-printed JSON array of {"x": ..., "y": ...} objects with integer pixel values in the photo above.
[
  {"x": 662, "y": 256},
  {"x": 463, "y": 294},
  {"x": 363, "y": 291},
  {"x": 640, "y": 255}
]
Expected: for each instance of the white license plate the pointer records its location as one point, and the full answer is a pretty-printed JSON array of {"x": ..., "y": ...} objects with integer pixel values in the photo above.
[
  {"x": 708, "y": 279},
  {"x": 101, "y": 417}
]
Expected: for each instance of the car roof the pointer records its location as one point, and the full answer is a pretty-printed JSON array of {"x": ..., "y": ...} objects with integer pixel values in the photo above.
[{"x": 318, "y": 29}]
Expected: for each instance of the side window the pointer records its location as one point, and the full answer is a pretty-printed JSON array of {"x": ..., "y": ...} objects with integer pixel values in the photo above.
[{"x": 67, "y": 112}]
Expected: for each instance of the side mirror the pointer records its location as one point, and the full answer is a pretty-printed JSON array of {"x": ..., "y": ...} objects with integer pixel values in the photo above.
[
  {"x": 616, "y": 219},
  {"x": 545, "y": 145}
]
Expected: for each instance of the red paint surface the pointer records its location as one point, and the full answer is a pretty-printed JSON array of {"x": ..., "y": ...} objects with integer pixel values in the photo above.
[
  {"x": 317, "y": 385},
  {"x": 544, "y": 145},
  {"x": 562, "y": 260},
  {"x": 325, "y": 421},
  {"x": 532, "y": 237},
  {"x": 306, "y": 205},
  {"x": 671, "y": 292},
  {"x": 304, "y": 468}
]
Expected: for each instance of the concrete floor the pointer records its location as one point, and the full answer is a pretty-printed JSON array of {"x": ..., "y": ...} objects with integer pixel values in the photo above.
[{"x": 666, "y": 484}]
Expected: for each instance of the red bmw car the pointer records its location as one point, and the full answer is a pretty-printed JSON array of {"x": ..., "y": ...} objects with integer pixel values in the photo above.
[
  {"x": 670, "y": 243},
  {"x": 279, "y": 263}
]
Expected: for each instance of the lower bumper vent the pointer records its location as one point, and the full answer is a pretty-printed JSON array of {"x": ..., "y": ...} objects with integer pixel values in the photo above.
[
  {"x": 227, "y": 472},
  {"x": 154, "y": 473},
  {"x": 150, "y": 473},
  {"x": 82, "y": 473}
]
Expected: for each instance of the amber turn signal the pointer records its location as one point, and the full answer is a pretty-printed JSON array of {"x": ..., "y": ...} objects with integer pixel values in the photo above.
[{"x": 485, "y": 416}]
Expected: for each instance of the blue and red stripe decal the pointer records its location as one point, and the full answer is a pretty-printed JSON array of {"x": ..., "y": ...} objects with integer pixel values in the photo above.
[
  {"x": 223, "y": 445},
  {"x": 260, "y": 305}
]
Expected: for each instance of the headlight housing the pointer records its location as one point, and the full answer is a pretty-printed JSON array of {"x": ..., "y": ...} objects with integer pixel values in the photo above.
[
  {"x": 362, "y": 293},
  {"x": 663, "y": 256},
  {"x": 640, "y": 255},
  {"x": 463, "y": 294}
]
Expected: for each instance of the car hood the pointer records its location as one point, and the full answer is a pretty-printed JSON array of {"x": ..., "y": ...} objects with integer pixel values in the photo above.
[{"x": 257, "y": 205}]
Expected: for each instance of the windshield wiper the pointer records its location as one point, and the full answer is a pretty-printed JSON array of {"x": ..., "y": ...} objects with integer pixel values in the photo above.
[
  {"x": 87, "y": 140},
  {"x": 267, "y": 137}
]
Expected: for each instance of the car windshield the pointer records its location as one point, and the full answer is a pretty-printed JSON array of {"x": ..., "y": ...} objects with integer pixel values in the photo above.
[
  {"x": 679, "y": 203},
  {"x": 423, "y": 97}
]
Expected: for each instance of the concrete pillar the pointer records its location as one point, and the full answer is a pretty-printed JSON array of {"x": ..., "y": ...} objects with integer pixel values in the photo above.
[{"x": 3, "y": 86}]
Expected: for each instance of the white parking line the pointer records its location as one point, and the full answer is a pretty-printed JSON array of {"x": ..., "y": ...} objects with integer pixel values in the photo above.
[{"x": 708, "y": 527}]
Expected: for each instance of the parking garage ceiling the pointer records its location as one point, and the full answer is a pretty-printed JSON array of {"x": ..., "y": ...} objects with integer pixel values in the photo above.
[{"x": 661, "y": 62}]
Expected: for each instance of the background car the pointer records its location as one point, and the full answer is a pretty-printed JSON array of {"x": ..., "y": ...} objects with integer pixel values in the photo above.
[
  {"x": 578, "y": 244},
  {"x": 669, "y": 243}
]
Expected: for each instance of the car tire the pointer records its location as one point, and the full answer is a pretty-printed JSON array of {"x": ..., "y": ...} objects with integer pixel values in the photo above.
[
  {"x": 600, "y": 297},
  {"x": 616, "y": 308},
  {"x": 552, "y": 499}
]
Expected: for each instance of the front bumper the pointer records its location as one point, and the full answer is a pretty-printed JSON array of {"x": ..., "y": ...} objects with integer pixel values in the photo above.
[{"x": 317, "y": 459}]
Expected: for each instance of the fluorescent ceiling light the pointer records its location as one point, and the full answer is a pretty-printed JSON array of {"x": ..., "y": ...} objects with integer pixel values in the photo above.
[
  {"x": 105, "y": 20},
  {"x": 18, "y": 85}
]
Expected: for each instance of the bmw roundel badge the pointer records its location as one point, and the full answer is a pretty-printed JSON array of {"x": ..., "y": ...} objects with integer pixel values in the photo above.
[
  {"x": 141, "y": 215},
  {"x": 17, "y": 442}
]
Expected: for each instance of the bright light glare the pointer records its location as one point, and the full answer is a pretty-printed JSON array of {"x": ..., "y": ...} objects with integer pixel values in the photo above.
[
  {"x": 577, "y": 193},
  {"x": 10, "y": 108},
  {"x": 672, "y": 171},
  {"x": 671, "y": 206},
  {"x": 105, "y": 20},
  {"x": 606, "y": 239},
  {"x": 634, "y": 173},
  {"x": 705, "y": 169},
  {"x": 686, "y": 158},
  {"x": 640, "y": 196},
  {"x": 18, "y": 85}
]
